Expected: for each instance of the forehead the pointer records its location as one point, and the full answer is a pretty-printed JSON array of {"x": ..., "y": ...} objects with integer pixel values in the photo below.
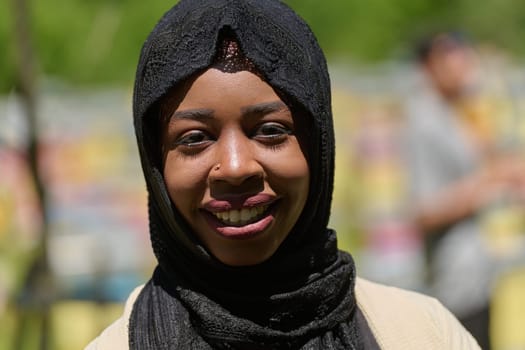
[{"x": 216, "y": 89}]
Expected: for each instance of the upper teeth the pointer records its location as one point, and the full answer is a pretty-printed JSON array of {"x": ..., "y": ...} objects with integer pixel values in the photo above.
[{"x": 240, "y": 216}]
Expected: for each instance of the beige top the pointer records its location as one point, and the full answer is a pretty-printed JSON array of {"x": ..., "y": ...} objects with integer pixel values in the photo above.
[{"x": 398, "y": 319}]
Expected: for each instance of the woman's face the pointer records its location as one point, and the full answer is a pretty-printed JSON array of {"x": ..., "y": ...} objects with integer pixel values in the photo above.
[{"x": 233, "y": 165}]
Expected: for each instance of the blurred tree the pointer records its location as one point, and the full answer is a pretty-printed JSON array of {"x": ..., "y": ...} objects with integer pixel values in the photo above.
[{"x": 35, "y": 295}]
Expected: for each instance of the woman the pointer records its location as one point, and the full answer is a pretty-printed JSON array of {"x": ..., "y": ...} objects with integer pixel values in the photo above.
[{"x": 233, "y": 120}]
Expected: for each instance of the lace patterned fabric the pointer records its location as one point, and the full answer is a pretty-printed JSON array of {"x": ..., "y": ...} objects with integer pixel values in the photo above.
[{"x": 303, "y": 296}]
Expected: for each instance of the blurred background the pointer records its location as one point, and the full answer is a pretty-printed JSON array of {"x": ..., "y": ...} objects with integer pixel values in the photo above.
[{"x": 429, "y": 108}]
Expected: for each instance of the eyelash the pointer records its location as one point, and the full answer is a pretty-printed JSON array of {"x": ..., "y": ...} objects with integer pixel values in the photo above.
[
  {"x": 272, "y": 134},
  {"x": 182, "y": 141},
  {"x": 279, "y": 132}
]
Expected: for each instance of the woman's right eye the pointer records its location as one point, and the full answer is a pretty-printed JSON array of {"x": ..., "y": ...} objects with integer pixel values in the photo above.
[{"x": 193, "y": 138}]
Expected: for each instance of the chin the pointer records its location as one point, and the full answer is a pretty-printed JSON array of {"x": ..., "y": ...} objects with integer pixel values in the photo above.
[{"x": 244, "y": 259}]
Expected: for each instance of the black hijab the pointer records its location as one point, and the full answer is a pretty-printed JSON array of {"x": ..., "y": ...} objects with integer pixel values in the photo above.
[{"x": 303, "y": 296}]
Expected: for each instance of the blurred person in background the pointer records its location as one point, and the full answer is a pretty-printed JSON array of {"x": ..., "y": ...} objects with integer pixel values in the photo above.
[{"x": 457, "y": 173}]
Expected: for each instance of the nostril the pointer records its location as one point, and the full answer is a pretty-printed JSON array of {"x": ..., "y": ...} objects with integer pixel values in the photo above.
[
  {"x": 235, "y": 170},
  {"x": 220, "y": 186}
]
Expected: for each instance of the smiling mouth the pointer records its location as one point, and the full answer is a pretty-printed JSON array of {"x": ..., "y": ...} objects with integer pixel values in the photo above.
[{"x": 242, "y": 216}]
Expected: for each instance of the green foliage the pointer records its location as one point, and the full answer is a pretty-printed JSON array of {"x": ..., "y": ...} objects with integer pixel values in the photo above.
[
  {"x": 92, "y": 41},
  {"x": 373, "y": 30},
  {"x": 84, "y": 42},
  {"x": 498, "y": 21},
  {"x": 98, "y": 41},
  {"x": 6, "y": 58}
]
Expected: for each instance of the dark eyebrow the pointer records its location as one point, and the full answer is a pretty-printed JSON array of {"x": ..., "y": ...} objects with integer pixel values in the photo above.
[
  {"x": 264, "y": 108},
  {"x": 195, "y": 114}
]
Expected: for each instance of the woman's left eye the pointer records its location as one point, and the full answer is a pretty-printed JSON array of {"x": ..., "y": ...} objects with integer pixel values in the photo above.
[{"x": 271, "y": 132}]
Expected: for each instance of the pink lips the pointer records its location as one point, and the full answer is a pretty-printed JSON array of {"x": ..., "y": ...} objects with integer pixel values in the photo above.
[
  {"x": 239, "y": 202},
  {"x": 242, "y": 232}
]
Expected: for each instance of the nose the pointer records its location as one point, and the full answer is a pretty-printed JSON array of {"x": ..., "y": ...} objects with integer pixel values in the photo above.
[{"x": 236, "y": 160}]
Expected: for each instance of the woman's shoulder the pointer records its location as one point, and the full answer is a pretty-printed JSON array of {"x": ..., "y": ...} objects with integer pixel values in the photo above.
[
  {"x": 401, "y": 319},
  {"x": 115, "y": 336}
]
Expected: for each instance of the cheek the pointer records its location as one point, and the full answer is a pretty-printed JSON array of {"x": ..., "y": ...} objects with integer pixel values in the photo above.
[
  {"x": 185, "y": 179},
  {"x": 300, "y": 182},
  {"x": 291, "y": 174}
]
